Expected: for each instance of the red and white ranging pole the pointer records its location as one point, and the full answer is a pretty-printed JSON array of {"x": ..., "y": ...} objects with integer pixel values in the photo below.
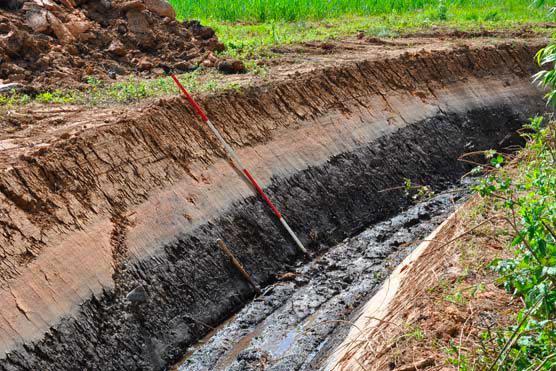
[{"x": 235, "y": 160}]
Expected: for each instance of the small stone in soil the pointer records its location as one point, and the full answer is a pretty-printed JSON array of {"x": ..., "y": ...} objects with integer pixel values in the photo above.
[{"x": 232, "y": 66}]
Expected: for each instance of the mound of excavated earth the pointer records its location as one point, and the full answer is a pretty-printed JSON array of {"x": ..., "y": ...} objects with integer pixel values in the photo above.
[
  {"x": 101, "y": 206},
  {"x": 47, "y": 44}
]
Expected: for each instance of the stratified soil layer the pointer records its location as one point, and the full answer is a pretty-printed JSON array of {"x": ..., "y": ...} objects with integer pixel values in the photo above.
[
  {"x": 94, "y": 204},
  {"x": 48, "y": 44}
]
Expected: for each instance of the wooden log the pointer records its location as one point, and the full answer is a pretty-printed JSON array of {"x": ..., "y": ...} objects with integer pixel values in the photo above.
[{"x": 237, "y": 265}]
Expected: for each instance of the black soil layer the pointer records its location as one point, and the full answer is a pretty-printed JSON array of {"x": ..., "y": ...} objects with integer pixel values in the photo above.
[{"x": 191, "y": 288}]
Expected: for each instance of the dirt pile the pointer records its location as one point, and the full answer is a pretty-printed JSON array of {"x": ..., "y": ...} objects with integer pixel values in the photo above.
[{"x": 63, "y": 43}]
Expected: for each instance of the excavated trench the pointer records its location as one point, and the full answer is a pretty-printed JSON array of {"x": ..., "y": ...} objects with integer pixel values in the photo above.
[
  {"x": 141, "y": 203},
  {"x": 298, "y": 321}
]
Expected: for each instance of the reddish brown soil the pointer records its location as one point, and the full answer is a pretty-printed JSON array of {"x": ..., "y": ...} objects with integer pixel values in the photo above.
[
  {"x": 449, "y": 307},
  {"x": 24, "y": 128},
  {"x": 49, "y": 44},
  {"x": 83, "y": 187},
  {"x": 37, "y": 142}
]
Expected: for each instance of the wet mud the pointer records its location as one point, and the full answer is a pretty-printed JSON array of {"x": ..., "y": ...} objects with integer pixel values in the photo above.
[{"x": 298, "y": 319}]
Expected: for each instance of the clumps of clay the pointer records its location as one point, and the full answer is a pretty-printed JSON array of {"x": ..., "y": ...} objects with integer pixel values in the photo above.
[{"x": 63, "y": 43}]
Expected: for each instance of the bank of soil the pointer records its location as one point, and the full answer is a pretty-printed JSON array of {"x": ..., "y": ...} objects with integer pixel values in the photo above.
[
  {"x": 96, "y": 204},
  {"x": 448, "y": 307},
  {"x": 23, "y": 129}
]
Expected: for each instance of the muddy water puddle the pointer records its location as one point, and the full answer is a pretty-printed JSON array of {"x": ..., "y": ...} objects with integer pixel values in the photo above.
[{"x": 294, "y": 323}]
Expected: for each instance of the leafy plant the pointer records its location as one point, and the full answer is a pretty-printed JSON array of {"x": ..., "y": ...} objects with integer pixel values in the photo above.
[
  {"x": 417, "y": 192},
  {"x": 529, "y": 203},
  {"x": 442, "y": 11}
]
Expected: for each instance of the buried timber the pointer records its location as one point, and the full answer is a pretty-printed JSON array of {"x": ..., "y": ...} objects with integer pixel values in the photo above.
[{"x": 109, "y": 246}]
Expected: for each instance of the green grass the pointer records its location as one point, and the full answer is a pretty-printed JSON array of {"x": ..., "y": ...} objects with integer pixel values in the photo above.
[
  {"x": 99, "y": 93},
  {"x": 252, "y": 41},
  {"x": 295, "y": 10},
  {"x": 250, "y": 28}
]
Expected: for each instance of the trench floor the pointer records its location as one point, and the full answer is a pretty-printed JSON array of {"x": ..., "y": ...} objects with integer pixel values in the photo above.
[{"x": 299, "y": 320}]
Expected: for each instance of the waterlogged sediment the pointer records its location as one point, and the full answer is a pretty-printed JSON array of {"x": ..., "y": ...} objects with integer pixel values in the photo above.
[
  {"x": 141, "y": 201},
  {"x": 289, "y": 327}
]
